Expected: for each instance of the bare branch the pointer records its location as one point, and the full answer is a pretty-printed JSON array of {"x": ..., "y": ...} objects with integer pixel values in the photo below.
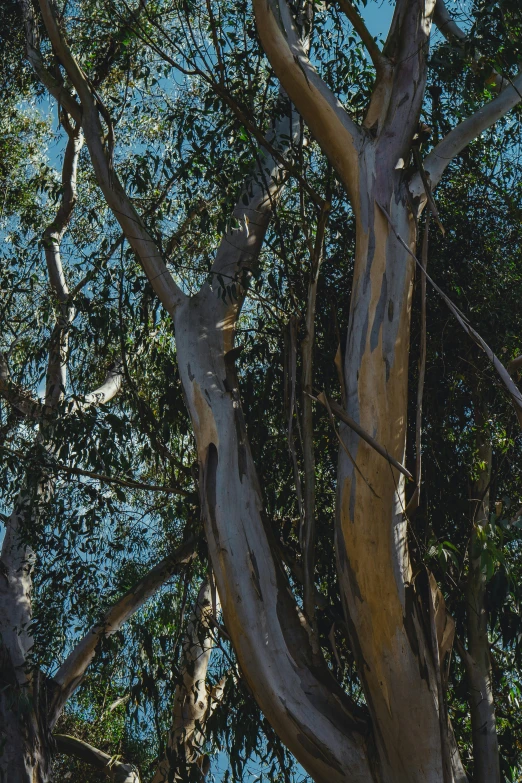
[
  {"x": 377, "y": 57},
  {"x": 338, "y": 411},
  {"x": 240, "y": 247},
  {"x": 457, "y": 139},
  {"x": 108, "y": 765},
  {"x": 53, "y": 85},
  {"x": 108, "y": 390},
  {"x": 132, "y": 226},
  {"x": 193, "y": 697},
  {"x": 455, "y": 34},
  {"x": 446, "y": 24},
  {"x": 71, "y": 672},
  {"x": 130, "y": 483},
  {"x": 53, "y": 234}
]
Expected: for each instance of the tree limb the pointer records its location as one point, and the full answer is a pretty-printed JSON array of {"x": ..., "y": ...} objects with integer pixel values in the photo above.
[
  {"x": 340, "y": 413},
  {"x": 377, "y": 57},
  {"x": 53, "y": 85},
  {"x": 457, "y": 139},
  {"x": 53, "y": 234},
  {"x": 193, "y": 697},
  {"x": 109, "y": 765},
  {"x": 132, "y": 226},
  {"x": 339, "y": 137},
  {"x": 71, "y": 672},
  {"x": 455, "y": 34}
]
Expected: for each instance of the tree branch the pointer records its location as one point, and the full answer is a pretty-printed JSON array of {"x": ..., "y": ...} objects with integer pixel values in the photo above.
[
  {"x": 339, "y": 137},
  {"x": 377, "y": 57},
  {"x": 107, "y": 391},
  {"x": 71, "y": 672},
  {"x": 457, "y": 139},
  {"x": 239, "y": 248},
  {"x": 109, "y": 765},
  {"x": 340, "y": 413},
  {"x": 53, "y": 85},
  {"x": 132, "y": 226},
  {"x": 455, "y": 34},
  {"x": 53, "y": 234},
  {"x": 192, "y": 700}
]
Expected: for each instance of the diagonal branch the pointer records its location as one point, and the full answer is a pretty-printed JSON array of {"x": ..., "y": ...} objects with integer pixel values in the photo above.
[
  {"x": 239, "y": 249},
  {"x": 343, "y": 416},
  {"x": 455, "y": 34},
  {"x": 108, "y": 765},
  {"x": 377, "y": 57},
  {"x": 338, "y": 135},
  {"x": 72, "y": 671},
  {"x": 34, "y": 410},
  {"x": 463, "y": 134},
  {"x": 117, "y": 199}
]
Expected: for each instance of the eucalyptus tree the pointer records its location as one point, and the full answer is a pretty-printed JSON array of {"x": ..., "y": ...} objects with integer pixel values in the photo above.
[{"x": 400, "y": 635}]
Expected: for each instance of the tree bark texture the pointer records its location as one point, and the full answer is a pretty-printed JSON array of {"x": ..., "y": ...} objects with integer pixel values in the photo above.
[{"x": 396, "y": 624}]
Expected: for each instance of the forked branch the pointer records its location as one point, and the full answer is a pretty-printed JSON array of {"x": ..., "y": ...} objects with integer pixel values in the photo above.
[{"x": 117, "y": 199}]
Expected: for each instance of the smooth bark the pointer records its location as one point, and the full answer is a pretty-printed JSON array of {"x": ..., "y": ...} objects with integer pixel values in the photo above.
[
  {"x": 193, "y": 697},
  {"x": 110, "y": 767}
]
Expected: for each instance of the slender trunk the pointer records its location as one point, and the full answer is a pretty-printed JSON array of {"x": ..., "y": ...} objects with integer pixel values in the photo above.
[
  {"x": 293, "y": 688},
  {"x": 390, "y": 636},
  {"x": 192, "y": 700},
  {"x": 486, "y": 766}
]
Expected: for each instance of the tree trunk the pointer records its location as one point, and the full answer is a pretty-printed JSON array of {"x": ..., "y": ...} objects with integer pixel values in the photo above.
[
  {"x": 388, "y": 630},
  {"x": 24, "y": 745},
  {"x": 477, "y": 659},
  {"x": 294, "y": 689}
]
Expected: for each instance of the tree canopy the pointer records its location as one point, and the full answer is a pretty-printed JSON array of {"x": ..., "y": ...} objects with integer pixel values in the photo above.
[{"x": 174, "y": 170}]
